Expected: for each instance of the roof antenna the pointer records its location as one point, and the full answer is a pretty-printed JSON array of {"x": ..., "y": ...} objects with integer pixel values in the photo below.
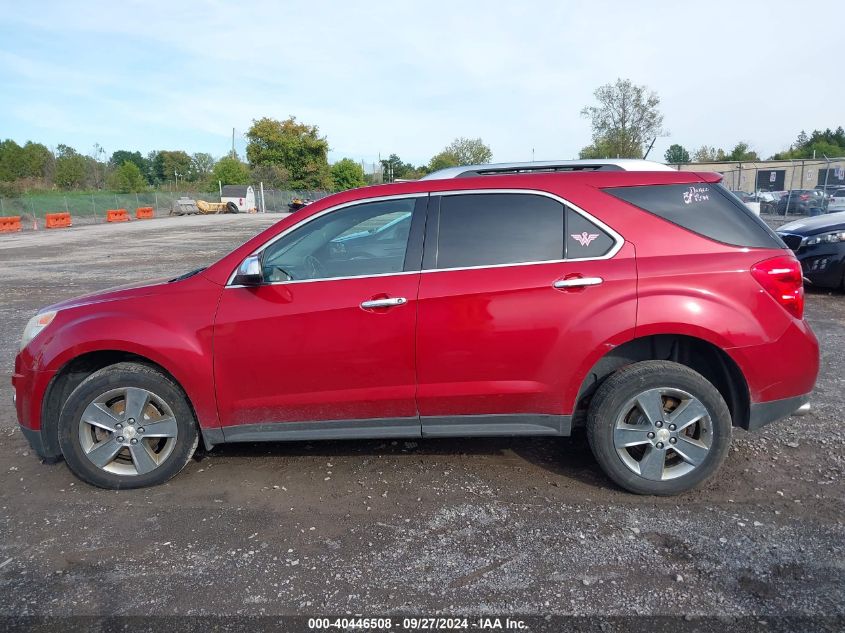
[{"x": 649, "y": 148}]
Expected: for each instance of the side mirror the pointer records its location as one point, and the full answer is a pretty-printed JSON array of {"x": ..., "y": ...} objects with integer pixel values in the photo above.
[{"x": 249, "y": 272}]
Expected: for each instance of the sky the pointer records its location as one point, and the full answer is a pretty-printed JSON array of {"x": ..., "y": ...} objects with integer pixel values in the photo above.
[{"x": 407, "y": 78}]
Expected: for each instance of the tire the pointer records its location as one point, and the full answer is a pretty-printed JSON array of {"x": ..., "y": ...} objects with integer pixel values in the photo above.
[
  {"x": 231, "y": 207},
  {"x": 618, "y": 428},
  {"x": 105, "y": 446}
]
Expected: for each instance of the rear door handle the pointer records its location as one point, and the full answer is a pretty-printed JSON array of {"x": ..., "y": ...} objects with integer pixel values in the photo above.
[
  {"x": 577, "y": 282},
  {"x": 384, "y": 303}
]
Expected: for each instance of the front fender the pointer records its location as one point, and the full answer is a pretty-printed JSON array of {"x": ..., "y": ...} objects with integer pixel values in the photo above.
[{"x": 174, "y": 332}]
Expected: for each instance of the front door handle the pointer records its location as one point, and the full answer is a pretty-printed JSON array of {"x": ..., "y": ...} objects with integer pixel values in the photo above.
[
  {"x": 577, "y": 282},
  {"x": 384, "y": 303}
]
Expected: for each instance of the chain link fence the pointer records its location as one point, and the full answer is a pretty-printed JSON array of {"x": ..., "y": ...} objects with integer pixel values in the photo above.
[{"x": 91, "y": 207}]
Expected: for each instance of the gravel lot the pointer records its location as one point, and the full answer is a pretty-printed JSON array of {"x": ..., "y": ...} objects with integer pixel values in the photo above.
[{"x": 475, "y": 526}]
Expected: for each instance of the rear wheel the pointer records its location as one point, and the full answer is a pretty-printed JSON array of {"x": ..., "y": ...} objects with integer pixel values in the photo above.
[
  {"x": 127, "y": 426},
  {"x": 658, "y": 427}
]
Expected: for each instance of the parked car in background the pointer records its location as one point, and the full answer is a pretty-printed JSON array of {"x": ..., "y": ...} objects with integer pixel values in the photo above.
[
  {"x": 768, "y": 200},
  {"x": 802, "y": 202},
  {"x": 819, "y": 244},
  {"x": 487, "y": 300},
  {"x": 837, "y": 201}
]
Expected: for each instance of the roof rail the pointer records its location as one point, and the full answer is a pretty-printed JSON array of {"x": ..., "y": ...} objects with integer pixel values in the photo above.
[{"x": 501, "y": 169}]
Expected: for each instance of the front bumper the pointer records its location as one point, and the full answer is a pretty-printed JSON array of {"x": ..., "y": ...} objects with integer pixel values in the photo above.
[
  {"x": 822, "y": 265},
  {"x": 30, "y": 387},
  {"x": 36, "y": 442},
  {"x": 763, "y": 413}
]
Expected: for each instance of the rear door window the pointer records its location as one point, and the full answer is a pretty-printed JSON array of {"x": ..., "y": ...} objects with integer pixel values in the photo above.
[
  {"x": 498, "y": 228},
  {"x": 707, "y": 209}
]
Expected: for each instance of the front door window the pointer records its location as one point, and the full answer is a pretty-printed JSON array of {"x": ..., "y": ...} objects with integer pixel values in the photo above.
[{"x": 360, "y": 240}]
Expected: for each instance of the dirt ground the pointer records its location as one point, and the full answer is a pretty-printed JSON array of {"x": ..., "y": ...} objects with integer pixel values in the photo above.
[{"x": 454, "y": 526}]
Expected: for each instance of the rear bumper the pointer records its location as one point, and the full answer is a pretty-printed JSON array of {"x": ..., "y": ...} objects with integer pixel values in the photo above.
[{"x": 763, "y": 413}]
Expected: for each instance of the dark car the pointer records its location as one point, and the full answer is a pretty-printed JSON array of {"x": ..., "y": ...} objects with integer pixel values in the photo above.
[
  {"x": 802, "y": 202},
  {"x": 819, "y": 244}
]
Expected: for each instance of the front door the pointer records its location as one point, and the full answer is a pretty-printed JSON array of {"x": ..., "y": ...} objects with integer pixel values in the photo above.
[{"x": 325, "y": 346}]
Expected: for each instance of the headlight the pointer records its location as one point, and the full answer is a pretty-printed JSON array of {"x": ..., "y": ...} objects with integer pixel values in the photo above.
[
  {"x": 826, "y": 238},
  {"x": 35, "y": 325}
]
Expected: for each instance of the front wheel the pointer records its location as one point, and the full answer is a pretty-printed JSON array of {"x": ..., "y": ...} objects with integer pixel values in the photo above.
[
  {"x": 658, "y": 428},
  {"x": 127, "y": 426}
]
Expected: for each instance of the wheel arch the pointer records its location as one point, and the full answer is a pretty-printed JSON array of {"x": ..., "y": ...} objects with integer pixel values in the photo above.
[
  {"x": 73, "y": 373},
  {"x": 698, "y": 354}
]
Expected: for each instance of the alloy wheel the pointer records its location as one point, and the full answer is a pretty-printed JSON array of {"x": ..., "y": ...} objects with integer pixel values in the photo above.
[
  {"x": 128, "y": 431},
  {"x": 663, "y": 433}
]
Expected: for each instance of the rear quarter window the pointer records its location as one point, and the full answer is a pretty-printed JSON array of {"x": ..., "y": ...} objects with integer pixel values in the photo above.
[{"x": 704, "y": 208}]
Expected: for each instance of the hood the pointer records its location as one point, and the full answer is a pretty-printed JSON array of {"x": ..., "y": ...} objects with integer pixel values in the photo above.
[
  {"x": 815, "y": 225},
  {"x": 110, "y": 294}
]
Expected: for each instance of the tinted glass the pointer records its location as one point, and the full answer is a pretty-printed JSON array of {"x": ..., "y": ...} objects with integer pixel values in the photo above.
[
  {"x": 365, "y": 239},
  {"x": 500, "y": 228},
  {"x": 584, "y": 239},
  {"x": 704, "y": 208}
]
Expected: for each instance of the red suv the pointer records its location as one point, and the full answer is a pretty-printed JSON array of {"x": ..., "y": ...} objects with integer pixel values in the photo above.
[{"x": 646, "y": 304}]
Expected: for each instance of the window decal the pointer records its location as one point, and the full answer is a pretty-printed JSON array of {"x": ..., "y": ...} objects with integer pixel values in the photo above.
[
  {"x": 584, "y": 238},
  {"x": 696, "y": 194}
]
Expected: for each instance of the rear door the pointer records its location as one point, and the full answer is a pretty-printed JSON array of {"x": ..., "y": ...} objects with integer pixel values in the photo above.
[{"x": 517, "y": 291}]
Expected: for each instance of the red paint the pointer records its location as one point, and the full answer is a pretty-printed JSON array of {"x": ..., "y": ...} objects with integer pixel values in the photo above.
[
  {"x": 487, "y": 340},
  {"x": 307, "y": 351}
]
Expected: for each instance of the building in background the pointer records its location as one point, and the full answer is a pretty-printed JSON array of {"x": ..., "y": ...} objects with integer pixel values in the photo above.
[{"x": 776, "y": 175}]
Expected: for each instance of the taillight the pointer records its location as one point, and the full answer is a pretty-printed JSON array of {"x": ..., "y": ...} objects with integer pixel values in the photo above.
[{"x": 781, "y": 277}]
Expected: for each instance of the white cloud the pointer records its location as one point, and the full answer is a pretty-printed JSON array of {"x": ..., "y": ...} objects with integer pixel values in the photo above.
[{"x": 409, "y": 78}]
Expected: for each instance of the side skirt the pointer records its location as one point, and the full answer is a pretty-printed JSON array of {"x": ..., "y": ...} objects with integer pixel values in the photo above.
[
  {"x": 495, "y": 425},
  {"x": 385, "y": 428}
]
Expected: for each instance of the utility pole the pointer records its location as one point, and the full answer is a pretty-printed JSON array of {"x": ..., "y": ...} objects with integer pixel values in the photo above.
[
  {"x": 233, "y": 142},
  {"x": 826, "y": 174}
]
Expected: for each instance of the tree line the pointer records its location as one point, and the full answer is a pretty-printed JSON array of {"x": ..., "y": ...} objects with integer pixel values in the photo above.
[
  {"x": 627, "y": 119},
  {"x": 284, "y": 154},
  {"x": 289, "y": 154}
]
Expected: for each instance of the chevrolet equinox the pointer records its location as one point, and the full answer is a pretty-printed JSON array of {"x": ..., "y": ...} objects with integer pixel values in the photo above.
[{"x": 645, "y": 304}]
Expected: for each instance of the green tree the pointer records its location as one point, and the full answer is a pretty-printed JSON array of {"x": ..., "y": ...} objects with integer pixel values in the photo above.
[
  {"x": 818, "y": 144},
  {"x": 297, "y": 147},
  {"x": 11, "y": 161},
  {"x": 470, "y": 151},
  {"x": 394, "y": 168},
  {"x": 626, "y": 118},
  {"x": 167, "y": 164},
  {"x": 676, "y": 154},
  {"x": 201, "y": 166},
  {"x": 443, "y": 160},
  {"x": 274, "y": 176},
  {"x": 36, "y": 160},
  {"x": 347, "y": 174},
  {"x": 707, "y": 154},
  {"x": 71, "y": 167},
  {"x": 742, "y": 152},
  {"x": 601, "y": 148},
  {"x": 230, "y": 171},
  {"x": 127, "y": 178},
  {"x": 141, "y": 162}
]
